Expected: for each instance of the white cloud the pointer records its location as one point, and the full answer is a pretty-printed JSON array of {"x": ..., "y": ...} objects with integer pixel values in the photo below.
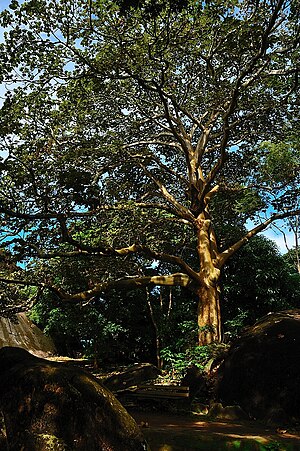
[
  {"x": 284, "y": 239},
  {"x": 281, "y": 240}
]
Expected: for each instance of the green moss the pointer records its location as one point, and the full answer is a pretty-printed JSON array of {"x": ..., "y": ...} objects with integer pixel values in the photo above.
[
  {"x": 210, "y": 442},
  {"x": 47, "y": 442}
]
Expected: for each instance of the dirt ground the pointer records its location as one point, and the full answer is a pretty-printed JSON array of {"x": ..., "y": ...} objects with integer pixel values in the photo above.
[
  {"x": 184, "y": 433},
  {"x": 174, "y": 432}
]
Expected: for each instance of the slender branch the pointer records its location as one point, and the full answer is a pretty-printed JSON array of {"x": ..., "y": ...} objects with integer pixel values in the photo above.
[
  {"x": 158, "y": 161},
  {"x": 153, "y": 142},
  {"x": 225, "y": 255},
  {"x": 38, "y": 216},
  {"x": 183, "y": 211},
  {"x": 26, "y": 283}
]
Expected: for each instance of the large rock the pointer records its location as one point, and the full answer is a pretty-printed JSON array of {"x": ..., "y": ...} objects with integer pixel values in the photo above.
[
  {"x": 261, "y": 372},
  {"x": 197, "y": 382},
  {"x": 19, "y": 331},
  {"x": 134, "y": 375},
  {"x": 50, "y": 406}
]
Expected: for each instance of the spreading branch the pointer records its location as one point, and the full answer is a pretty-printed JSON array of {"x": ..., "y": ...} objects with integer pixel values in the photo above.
[
  {"x": 225, "y": 255},
  {"x": 176, "y": 279}
]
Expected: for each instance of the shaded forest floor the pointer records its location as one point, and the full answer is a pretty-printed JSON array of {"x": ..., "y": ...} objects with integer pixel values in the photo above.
[{"x": 166, "y": 432}]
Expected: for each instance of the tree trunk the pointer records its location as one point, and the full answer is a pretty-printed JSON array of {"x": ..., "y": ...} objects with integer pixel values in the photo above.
[
  {"x": 156, "y": 330},
  {"x": 209, "y": 316}
]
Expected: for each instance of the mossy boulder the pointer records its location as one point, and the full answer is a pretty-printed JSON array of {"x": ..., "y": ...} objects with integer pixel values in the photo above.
[
  {"x": 48, "y": 405},
  {"x": 261, "y": 372}
]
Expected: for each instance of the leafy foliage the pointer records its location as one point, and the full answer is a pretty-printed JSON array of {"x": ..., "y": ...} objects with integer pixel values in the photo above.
[
  {"x": 178, "y": 362},
  {"x": 85, "y": 331},
  {"x": 257, "y": 281},
  {"x": 138, "y": 133},
  {"x": 282, "y": 160}
]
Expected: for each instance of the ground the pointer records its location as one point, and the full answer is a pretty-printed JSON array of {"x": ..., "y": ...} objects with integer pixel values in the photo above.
[
  {"x": 165, "y": 432},
  {"x": 192, "y": 432}
]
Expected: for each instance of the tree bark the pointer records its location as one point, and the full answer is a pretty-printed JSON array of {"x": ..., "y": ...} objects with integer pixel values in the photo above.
[
  {"x": 156, "y": 330},
  {"x": 209, "y": 316}
]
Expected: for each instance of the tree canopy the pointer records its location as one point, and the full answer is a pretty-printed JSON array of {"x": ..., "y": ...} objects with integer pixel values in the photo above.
[{"x": 136, "y": 134}]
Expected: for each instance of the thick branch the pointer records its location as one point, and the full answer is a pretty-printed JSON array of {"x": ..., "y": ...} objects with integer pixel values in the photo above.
[
  {"x": 161, "y": 256},
  {"x": 109, "y": 251},
  {"x": 177, "y": 279}
]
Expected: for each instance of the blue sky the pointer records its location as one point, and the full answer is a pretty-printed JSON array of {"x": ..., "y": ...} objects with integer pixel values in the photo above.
[
  {"x": 4, "y": 4},
  {"x": 278, "y": 237}
]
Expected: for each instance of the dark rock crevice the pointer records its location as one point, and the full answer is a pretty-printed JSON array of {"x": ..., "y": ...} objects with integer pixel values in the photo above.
[{"x": 261, "y": 372}]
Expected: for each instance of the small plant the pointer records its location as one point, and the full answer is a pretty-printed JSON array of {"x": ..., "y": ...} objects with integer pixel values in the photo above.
[
  {"x": 273, "y": 446},
  {"x": 235, "y": 324},
  {"x": 199, "y": 356}
]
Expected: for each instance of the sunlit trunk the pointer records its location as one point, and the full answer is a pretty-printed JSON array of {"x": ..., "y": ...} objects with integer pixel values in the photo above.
[{"x": 209, "y": 317}]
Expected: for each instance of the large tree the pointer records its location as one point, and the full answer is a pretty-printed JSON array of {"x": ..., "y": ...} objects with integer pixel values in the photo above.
[{"x": 135, "y": 134}]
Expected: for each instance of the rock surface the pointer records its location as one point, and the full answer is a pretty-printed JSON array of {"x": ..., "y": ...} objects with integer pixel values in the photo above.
[
  {"x": 134, "y": 375},
  {"x": 50, "y": 406},
  {"x": 231, "y": 413},
  {"x": 261, "y": 372},
  {"x": 197, "y": 382},
  {"x": 20, "y": 332}
]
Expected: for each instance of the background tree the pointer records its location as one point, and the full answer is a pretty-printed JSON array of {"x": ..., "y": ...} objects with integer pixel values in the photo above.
[
  {"x": 257, "y": 281},
  {"x": 138, "y": 124}
]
